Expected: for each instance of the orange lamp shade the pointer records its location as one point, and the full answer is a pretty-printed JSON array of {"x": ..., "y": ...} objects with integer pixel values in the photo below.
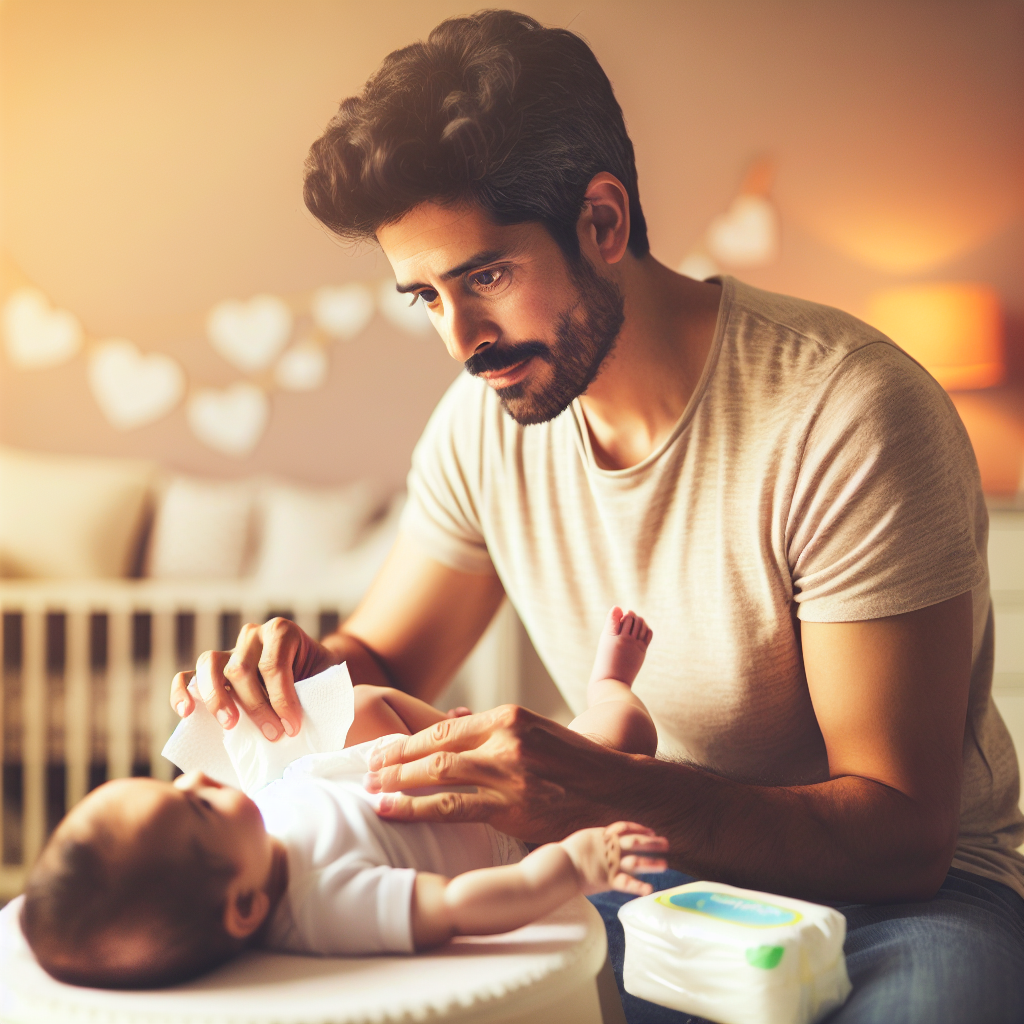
[{"x": 955, "y": 331}]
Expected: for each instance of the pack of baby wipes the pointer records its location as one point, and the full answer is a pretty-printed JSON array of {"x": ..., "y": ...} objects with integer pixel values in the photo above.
[{"x": 735, "y": 956}]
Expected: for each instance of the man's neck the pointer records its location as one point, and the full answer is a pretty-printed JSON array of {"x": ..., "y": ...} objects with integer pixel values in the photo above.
[{"x": 651, "y": 374}]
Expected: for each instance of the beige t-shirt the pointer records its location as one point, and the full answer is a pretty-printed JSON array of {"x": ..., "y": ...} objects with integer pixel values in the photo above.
[{"x": 817, "y": 473}]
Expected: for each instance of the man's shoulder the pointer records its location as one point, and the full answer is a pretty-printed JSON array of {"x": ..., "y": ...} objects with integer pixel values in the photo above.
[{"x": 819, "y": 333}]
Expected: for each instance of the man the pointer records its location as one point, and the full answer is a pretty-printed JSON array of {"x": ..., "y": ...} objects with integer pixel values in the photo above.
[{"x": 788, "y": 499}]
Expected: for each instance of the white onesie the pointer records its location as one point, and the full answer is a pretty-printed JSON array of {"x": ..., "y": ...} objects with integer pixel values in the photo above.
[{"x": 350, "y": 873}]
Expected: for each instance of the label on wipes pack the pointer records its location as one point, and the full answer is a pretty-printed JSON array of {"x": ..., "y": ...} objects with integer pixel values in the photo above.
[{"x": 733, "y": 909}]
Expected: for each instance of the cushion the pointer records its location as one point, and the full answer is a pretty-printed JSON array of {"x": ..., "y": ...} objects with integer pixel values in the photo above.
[
  {"x": 303, "y": 529},
  {"x": 67, "y": 517},
  {"x": 203, "y": 529}
]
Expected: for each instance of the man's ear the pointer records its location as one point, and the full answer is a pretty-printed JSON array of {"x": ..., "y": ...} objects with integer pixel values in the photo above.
[
  {"x": 245, "y": 911},
  {"x": 604, "y": 223}
]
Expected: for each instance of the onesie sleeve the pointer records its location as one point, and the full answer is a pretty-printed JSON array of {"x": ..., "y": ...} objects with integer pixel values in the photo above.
[
  {"x": 442, "y": 513},
  {"x": 887, "y": 514},
  {"x": 353, "y": 907}
]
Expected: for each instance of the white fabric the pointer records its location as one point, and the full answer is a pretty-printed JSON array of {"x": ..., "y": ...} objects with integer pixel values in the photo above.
[
  {"x": 243, "y": 757},
  {"x": 70, "y": 517},
  {"x": 203, "y": 530},
  {"x": 817, "y": 474},
  {"x": 303, "y": 529},
  {"x": 350, "y": 873}
]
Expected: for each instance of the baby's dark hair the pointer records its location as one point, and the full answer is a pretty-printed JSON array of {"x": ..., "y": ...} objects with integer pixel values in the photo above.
[
  {"x": 121, "y": 922},
  {"x": 492, "y": 109}
]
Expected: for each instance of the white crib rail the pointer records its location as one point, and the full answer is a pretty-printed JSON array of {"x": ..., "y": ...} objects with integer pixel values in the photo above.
[{"x": 136, "y": 692}]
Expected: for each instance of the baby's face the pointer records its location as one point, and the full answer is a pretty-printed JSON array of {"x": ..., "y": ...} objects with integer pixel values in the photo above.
[{"x": 146, "y": 815}]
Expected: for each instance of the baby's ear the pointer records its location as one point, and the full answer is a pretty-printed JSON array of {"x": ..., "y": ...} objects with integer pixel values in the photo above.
[{"x": 244, "y": 912}]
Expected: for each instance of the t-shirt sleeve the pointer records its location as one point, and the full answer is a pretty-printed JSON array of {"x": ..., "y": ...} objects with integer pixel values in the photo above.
[
  {"x": 887, "y": 514},
  {"x": 442, "y": 513}
]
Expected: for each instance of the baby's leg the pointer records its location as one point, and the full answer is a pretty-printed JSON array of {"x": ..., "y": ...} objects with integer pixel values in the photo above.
[
  {"x": 621, "y": 648},
  {"x": 382, "y": 710},
  {"x": 617, "y": 717}
]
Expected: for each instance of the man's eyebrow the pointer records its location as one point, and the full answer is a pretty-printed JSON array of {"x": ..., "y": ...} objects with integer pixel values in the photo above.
[{"x": 478, "y": 260}]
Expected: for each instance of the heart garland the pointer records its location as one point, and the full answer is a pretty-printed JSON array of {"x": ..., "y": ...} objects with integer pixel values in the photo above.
[
  {"x": 133, "y": 388},
  {"x": 230, "y": 421},
  {"x": 745, "y": 235},
  {"x": 37, "y": 335}
]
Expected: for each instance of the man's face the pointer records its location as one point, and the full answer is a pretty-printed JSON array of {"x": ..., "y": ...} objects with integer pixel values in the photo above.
[{"x": 507, "y": 304}]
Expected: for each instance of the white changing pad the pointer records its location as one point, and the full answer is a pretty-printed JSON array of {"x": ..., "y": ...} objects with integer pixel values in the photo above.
[{"x": 543, "y": 972}]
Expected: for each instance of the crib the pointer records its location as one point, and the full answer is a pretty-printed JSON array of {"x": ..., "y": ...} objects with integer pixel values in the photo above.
[{"x": 86, "y": 670}]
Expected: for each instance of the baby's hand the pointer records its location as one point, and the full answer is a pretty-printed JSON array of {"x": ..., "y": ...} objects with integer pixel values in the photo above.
[{"x": 607, "y": 858}]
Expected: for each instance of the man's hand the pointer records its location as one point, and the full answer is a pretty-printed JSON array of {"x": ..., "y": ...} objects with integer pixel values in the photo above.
[
  {"x": 258, "y": 675},
  {"x": 608, "y": 858},
  {"x": 535, "y": 779}
]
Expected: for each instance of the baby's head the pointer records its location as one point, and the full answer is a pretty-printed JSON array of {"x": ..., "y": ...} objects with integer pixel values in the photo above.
[{"x": 147, "y": 883}]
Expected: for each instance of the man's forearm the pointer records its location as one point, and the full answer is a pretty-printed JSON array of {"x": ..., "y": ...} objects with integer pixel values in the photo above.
[
  {"x": 363, "y": 665},
  {"x": 848, "y": 838}
]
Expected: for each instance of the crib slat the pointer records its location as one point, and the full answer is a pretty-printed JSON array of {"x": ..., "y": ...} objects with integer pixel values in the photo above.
[
  {"x": 308, "y": 620},
  {"x": 119, "y": 694},
  {"x": 207, "y": 635},
  {"x": 33, "y": 705},
  {"x": 161, "y": 669},
  {"x": 77, "y": 709}
]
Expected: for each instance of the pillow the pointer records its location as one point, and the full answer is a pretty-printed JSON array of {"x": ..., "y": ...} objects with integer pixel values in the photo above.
[
  {"x": 203, "y": 530},
  {"x": 304, "y": 528},
  {"x": 68, "y": 517}
]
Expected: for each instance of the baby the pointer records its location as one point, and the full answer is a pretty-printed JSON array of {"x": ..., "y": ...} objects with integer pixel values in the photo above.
[{"x": 146, "y": 883}]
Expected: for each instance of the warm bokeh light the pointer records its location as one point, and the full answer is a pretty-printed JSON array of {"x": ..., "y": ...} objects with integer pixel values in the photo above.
[{"x": 954, "y": 330}]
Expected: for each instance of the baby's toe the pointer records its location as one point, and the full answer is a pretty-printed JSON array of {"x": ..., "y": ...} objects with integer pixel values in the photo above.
[{"x": 613, "y": 624}]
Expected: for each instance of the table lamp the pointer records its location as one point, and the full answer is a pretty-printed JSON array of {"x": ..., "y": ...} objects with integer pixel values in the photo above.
[{"x": 954, "y": 330}]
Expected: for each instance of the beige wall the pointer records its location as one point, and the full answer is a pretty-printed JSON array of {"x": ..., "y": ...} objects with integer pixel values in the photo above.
[{"x": 151, "y": 162}]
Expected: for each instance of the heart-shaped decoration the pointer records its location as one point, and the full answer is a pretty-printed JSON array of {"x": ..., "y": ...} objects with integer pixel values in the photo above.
[
  {"x": 401, "y": 310},
  {"x": 302, "y": 368},
  {"x": 230, "y": 421},
  {"x": 250, "y": 335},
  {"x": 37, "y": 335},
  {"x": 132, "y": 388},
  {"x": 344, "y": 311},
  {"x": 747, "y": 234}
]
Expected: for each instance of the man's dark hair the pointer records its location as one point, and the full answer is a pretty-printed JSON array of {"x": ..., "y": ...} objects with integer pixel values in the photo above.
[
  {"x": 91, "y": 920},
  {"x": 493, "y": 109}
]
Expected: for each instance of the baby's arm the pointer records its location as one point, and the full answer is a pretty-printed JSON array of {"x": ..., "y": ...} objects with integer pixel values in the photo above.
[
  {"x": 615, "y": 716},
  {"x": 382, "y": 711},
  {"x": 492, "y": 900}
]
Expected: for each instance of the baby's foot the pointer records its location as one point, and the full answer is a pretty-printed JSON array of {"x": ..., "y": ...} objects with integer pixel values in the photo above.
[{"x": 622, "y": 647}]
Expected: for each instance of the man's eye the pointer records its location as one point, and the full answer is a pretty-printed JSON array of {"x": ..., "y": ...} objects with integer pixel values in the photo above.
[
  {"x": 206, "y": 803},
  {"x": 490, "y": 280},
  {"x": 428, "y": 295}
]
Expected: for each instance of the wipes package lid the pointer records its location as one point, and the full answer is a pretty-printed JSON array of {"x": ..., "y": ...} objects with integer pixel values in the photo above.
[
  {"x": 735, "y": 956},
  {"x": 243, "y": 757}
]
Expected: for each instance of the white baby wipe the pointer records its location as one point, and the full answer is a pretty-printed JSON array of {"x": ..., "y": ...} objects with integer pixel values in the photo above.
[
  {"x": 243, "y": 757},
  {"x": 735, "y": 956}
]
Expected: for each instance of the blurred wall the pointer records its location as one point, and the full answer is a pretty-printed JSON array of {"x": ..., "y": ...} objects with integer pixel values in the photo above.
[{"x": 151, "y": 153}]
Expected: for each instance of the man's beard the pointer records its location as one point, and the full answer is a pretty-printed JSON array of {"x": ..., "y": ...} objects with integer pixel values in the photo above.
[{"x": 585, "y": 334}]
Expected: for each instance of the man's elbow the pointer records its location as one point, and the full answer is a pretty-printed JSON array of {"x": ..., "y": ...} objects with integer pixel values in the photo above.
[{"x": 926, "y": 864}]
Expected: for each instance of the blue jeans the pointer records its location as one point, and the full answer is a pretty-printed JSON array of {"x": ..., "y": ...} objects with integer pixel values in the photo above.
[{"x": 956, "y": 959}]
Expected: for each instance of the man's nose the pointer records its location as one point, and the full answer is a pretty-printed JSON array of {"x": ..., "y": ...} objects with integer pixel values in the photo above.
[{"x": 467, "y": 333}]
